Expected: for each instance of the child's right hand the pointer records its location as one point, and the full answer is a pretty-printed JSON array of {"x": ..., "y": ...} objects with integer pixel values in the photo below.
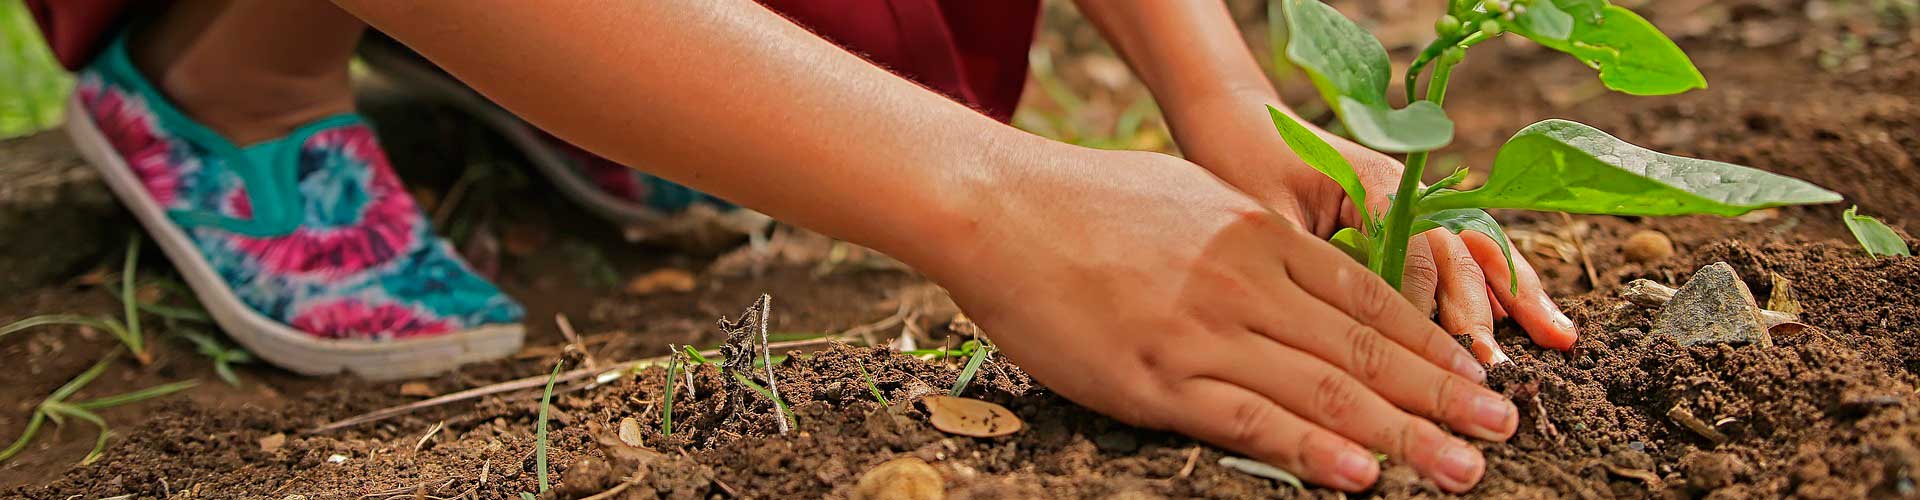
[{"x": 1143, "y": 287}]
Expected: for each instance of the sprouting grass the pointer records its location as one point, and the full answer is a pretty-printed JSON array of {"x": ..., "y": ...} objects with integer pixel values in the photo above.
[
  {"x": 871, "y": 385},
  {"x": 777, "y": 403},
  {"x": 540, "y": 429},
  {"x": 223, "y": 357},
  {"x": 56, "y": 408},
  {"x": 972, "y": 368},
  {"x": 126, "y": 329},
  {"x": 666, "y": 403}
]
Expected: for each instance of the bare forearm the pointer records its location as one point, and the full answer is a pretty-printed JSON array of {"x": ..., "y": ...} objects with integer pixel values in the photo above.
[{"x": 724, "y": 96}]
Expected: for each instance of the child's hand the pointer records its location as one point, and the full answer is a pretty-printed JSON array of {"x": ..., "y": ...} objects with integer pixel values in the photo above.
[
  {"x": 1460, "y": 274},
  {"x": 1140, "y": 286}
]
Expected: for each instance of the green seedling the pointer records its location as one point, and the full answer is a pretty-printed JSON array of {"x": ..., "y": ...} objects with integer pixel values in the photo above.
[
  {"x": 786, "y": 414},
  {"x": 223, "y": 357},
  {"x": 540, "y": 429},
  {"x": 56, "y": 408},
  {"x": 1553, "y": 165},
  {"x": 879, "y": 397},
  {"x": 973, "y": 367},
  {"x": 666, "y": 402},
  {"x": 126, "y": 329},
  {"x": 1875, "y": 236}
]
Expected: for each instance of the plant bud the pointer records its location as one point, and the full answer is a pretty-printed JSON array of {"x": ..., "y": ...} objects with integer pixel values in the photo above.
[
  {"x": 1490, "y": 27},
  {"x": 1447, "y": 25}
]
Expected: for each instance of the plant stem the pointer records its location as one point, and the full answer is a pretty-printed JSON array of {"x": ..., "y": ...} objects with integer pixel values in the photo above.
[{"x": 1399, "y": 225}]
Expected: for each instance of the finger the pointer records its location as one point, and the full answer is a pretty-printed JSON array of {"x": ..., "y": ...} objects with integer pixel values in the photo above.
[
  {"x": 1499, "y": 311},
  {"x": 1244, "y": 421},
  {"x": 1465, "y": 308},
  {"x": 1331, "y": 398},
  {"x": 1335, "y": 279},
  {"x": 1421, "y": 278},
  {"x": 1530, "y": 306},
  {"x": 1391, "y": 370}
]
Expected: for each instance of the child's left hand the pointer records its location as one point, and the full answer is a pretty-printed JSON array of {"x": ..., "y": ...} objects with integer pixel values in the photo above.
[{"x": 1460, "y": 275}]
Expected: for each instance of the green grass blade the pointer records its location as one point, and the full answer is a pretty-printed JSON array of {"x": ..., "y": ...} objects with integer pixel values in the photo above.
[
  {"x": 99, "y": 442},
  {"x": 26, "y": 436},
  {"x": 694, "y": 354},
  {"x": 86, "y": 377},
  {"x": 666, "y": 404},
  {"x": 540, "y": 430},
  {"x": 871, "y": 385},
  {"x": 224, "y": 370},
  {"x": 136, "y": 396},
  {"x": 128, "y": 301},
  {"x": 60, "y": 319},
  {"x": 973, "y": 367},
  {"x": 777, "y": 403}
]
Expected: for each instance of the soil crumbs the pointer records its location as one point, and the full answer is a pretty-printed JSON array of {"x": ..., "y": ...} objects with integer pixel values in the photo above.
[{"x": 1823, "y": 414}]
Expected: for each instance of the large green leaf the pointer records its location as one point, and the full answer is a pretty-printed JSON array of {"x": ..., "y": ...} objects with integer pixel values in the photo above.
[
  {"x": 1631, "y": 54},
  {"x": 1558, "y": 165},
  {"x": 1321, "y": 156},
  {"x": 1351, "y": 69},
  {"x": 1875, "y": 236},
  {"x": 1470, "y": 219}
]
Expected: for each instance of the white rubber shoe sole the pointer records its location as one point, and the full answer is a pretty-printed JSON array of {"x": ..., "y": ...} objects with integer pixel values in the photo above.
[{"x": 269, "y": 339}]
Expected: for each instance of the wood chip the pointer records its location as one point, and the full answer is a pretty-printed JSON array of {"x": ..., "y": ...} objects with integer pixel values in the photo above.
[
  {"x": 1783, "y": 298},
  {"x": 971, "y": 417},
  {"x": 418, "y": 390}
]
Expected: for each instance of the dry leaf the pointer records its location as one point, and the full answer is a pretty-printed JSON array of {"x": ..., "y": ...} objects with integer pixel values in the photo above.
[
  {"x": 273, "y": 442},
  {"x": 905, "y": 478},
  {"x": 665, "y": 279},
  {"x": 971, "y": 417},
  {"x": 418, "y": 390},
  {"x": 630, "y": 432},
  {"x": 1783, "y": 298}
]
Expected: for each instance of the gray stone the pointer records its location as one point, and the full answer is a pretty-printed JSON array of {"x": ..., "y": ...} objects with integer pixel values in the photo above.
[{"x": 1714, "y": 307}]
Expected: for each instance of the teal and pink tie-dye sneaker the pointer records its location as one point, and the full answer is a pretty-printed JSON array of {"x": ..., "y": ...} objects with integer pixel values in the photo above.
[
  {"x": 305, "y": 249},
  {"x": 648, "y": 207}
]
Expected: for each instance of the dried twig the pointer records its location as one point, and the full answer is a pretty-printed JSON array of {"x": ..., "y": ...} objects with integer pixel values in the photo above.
[
  {"x": 1593, "y": 278},
  {"x": 1193, "y": 457},
  {"x": 1692, "y": 423},
  {"x": 429, "y": 435},
  {"x": 573, "y": 339}
]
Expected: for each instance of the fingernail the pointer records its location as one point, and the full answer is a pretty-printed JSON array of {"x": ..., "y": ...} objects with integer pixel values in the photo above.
[
  {"x": 1494, "y": 414},
  {"x": 1558, "y": 318},
  {"x": 1499, "y": 357},
  {"x": 1466, "y": 366},
  {"x": 1461, "y": 465},
  {"x": 1356, "y": 469}
]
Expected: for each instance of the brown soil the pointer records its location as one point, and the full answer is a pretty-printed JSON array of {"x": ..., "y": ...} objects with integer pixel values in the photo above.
[{"x": 1824, "y": 91}]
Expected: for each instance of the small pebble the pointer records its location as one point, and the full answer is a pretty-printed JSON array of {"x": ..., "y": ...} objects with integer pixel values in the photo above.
[{"x": 1647, "y": 247}]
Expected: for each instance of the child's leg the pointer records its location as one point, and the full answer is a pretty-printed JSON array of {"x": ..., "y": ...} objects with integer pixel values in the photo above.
[{"x": 251, "y": 70}]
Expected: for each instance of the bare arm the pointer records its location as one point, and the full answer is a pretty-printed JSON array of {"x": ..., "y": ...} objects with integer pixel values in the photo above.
[{"x": 726, "y": 97}]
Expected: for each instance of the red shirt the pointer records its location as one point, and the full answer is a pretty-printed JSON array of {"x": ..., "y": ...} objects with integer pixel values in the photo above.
[{"x": 974, "y": 51}]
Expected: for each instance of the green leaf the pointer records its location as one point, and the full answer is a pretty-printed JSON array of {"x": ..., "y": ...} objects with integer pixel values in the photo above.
[
  {"x": 1471, "y": 219},
  {"x": 1558, "y": 165},
  {"x": 1322, "y": 157},
  {"x": 1351, "y": 69},
  {"x": 1631, "y": 54},
  {"x": 540, "y": 429},
  {"x": 1355, "y": 244},
  {"x": 137, "y": 396},
  {"x": 967, "y": 373},
  {"x": 1542, "y": 21},
  {"x": 1876, "y": 237}
]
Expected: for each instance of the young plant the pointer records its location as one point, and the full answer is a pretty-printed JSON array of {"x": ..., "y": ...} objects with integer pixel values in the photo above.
[
  {"x": 56, "y": 408},
  {"x": 1876, "y": 237},
  {"x": 540, "y": 429},
  {"x": 973, "y": 367},
  {"x": 1553, "y": 165},
  {"x": 223, "y": 357},
  {"x": 874, "y": 387}
]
